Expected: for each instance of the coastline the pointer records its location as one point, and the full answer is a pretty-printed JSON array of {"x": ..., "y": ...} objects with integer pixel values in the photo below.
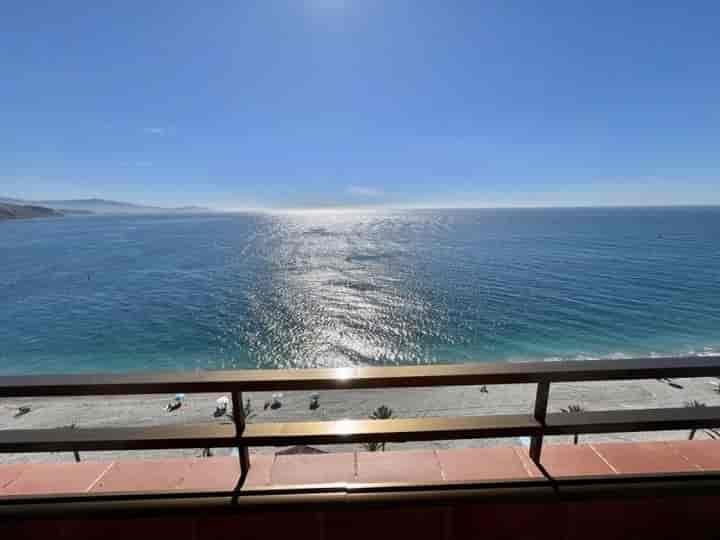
[{"x": 118, "y": 411}]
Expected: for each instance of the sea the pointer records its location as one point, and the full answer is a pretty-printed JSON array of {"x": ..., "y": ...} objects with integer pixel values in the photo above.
[{"x": 356, "y": 288}]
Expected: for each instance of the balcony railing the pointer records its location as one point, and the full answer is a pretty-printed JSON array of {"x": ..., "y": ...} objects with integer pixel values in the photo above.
[{"x": 246, "y": 435}]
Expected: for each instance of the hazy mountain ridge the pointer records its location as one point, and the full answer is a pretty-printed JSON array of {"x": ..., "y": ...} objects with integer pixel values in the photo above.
[
  {"x": 20, "y": 211},
  {"x": 100, "y": 206}
]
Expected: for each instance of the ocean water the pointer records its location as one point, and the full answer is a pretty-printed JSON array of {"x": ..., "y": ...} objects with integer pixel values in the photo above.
[{"x": 319, "y": 289}]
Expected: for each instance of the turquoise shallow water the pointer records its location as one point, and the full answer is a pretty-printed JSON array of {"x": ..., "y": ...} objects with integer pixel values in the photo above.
[{"x": 374, "y": 288}]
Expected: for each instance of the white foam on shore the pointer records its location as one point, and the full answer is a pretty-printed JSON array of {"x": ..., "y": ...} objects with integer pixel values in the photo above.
[{"x": 619, "y": 355}]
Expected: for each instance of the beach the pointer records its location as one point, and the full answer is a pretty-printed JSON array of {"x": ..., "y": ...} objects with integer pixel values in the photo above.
[{"x": 116, "y": 411}]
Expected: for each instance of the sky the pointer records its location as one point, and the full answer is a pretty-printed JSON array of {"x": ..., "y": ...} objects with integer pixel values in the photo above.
[{"x": 355, "y": 103}]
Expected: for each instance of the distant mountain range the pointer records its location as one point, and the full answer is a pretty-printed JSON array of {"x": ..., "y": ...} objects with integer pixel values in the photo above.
[
  {"x": 17, "y": 211},
  {"x": 101, "y": 206}
]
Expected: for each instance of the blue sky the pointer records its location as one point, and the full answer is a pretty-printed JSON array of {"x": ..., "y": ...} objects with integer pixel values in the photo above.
[{"x": 316, "y": 103}]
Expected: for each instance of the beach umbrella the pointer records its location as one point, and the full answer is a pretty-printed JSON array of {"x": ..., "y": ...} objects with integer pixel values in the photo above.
[
  {"x": 223, "y": 402},
  {"x": 276, "y": 402}
]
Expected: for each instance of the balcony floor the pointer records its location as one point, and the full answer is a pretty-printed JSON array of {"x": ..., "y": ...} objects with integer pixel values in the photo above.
[{"x": 471, "y": 464}]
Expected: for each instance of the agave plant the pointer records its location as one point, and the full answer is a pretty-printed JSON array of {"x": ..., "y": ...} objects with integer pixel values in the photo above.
[
  {"x": 374, "y": 446},
  {"x": 693, "y": 404},
  {"x": 574, "y": 408},
  {"x": 381, "y": 413}
]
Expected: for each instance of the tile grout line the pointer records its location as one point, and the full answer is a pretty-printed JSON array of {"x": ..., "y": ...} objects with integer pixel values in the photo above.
[
  {"x": 439, "y": 464},
  {"x": 272, "y": 468},
  {"x": 100, "y": 477},
  {"x": 603, "y": 458},
  {"x": 13, "y": 480},
  {"x": 518, "y": 454},
  {"x": 684, "y": 457},
  {"x": 186, "y": 471}
]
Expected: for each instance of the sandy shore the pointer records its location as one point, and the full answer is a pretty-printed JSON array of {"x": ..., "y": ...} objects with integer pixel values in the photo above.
[{"x": 405, "y": 403}]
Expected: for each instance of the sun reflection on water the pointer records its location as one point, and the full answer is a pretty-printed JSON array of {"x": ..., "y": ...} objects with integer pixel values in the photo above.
[{"x": 339, "y": 294}]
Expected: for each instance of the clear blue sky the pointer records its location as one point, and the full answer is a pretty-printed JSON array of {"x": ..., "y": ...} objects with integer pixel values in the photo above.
[{"x": 306, "y": 103}]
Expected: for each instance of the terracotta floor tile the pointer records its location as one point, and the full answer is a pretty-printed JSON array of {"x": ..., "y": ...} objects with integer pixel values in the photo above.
[
  {"x": 481, "y": 464},
  {"x": 144, "y": 475},
  {"x": 408, "y": 466},
  {"x": 211, "y": 474},
  {"x": 260, "y": 470},
  {"x": 704, "y": 454},
  {"x": 222, "y": 473},
  {"x": 10, "y": 472},
  {"x": 52, "y": 478},
  {"x": 530, "y": 467},
  {"x": 573, "y": 460},
  {"x": 312, "y": 469},
  {"x": 643, "y": 457}
]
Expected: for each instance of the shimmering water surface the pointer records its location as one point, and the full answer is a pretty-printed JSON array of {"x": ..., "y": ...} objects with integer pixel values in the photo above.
[{"x": 356, "y": 288}]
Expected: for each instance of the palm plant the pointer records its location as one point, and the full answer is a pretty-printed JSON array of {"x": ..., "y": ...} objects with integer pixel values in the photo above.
[
  {"x": 381, "y": 413},
  {"x": 248, "y": 409},
  {"x": 574, "y": 408},
  {"x": 694, "y": 404}
]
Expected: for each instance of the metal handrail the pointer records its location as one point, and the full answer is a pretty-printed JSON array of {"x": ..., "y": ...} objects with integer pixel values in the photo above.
[
  {"x": 535, "y": 426},
  {"x": 256, "y": 380}
]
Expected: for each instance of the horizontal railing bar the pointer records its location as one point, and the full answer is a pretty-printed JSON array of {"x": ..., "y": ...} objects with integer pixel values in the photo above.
[
  {"x": 265, "y": 434},
  {"x": 632, "y": 420},
  {"x": 353, "y": 431},
  {"x": 358, "y": 378},
  {"x": 118, "y": 438},
  {"x": 394, "y": 430}
]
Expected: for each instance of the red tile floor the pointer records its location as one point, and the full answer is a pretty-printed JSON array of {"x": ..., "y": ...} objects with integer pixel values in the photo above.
[{"x": 476, "y": 464}]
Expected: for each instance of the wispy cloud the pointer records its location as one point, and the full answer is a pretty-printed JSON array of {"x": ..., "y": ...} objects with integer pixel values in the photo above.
[
  {"x": 155, "y": 130},
  {"x": 141, "y": 164},
  {"x": 363, "y": 191}
]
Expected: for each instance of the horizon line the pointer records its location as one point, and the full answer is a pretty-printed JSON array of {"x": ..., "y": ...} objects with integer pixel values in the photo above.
[{"x": 354, "y": 208}]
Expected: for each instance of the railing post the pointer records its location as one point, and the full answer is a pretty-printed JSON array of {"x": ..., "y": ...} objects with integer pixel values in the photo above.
[
  {"x": 239, "y": 419},
  {"x": 76, "y": 454},
  {"x": 541, "y": 401}
]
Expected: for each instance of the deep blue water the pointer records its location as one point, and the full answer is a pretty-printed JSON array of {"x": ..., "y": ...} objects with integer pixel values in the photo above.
[{"x": 328, "y": 289}]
